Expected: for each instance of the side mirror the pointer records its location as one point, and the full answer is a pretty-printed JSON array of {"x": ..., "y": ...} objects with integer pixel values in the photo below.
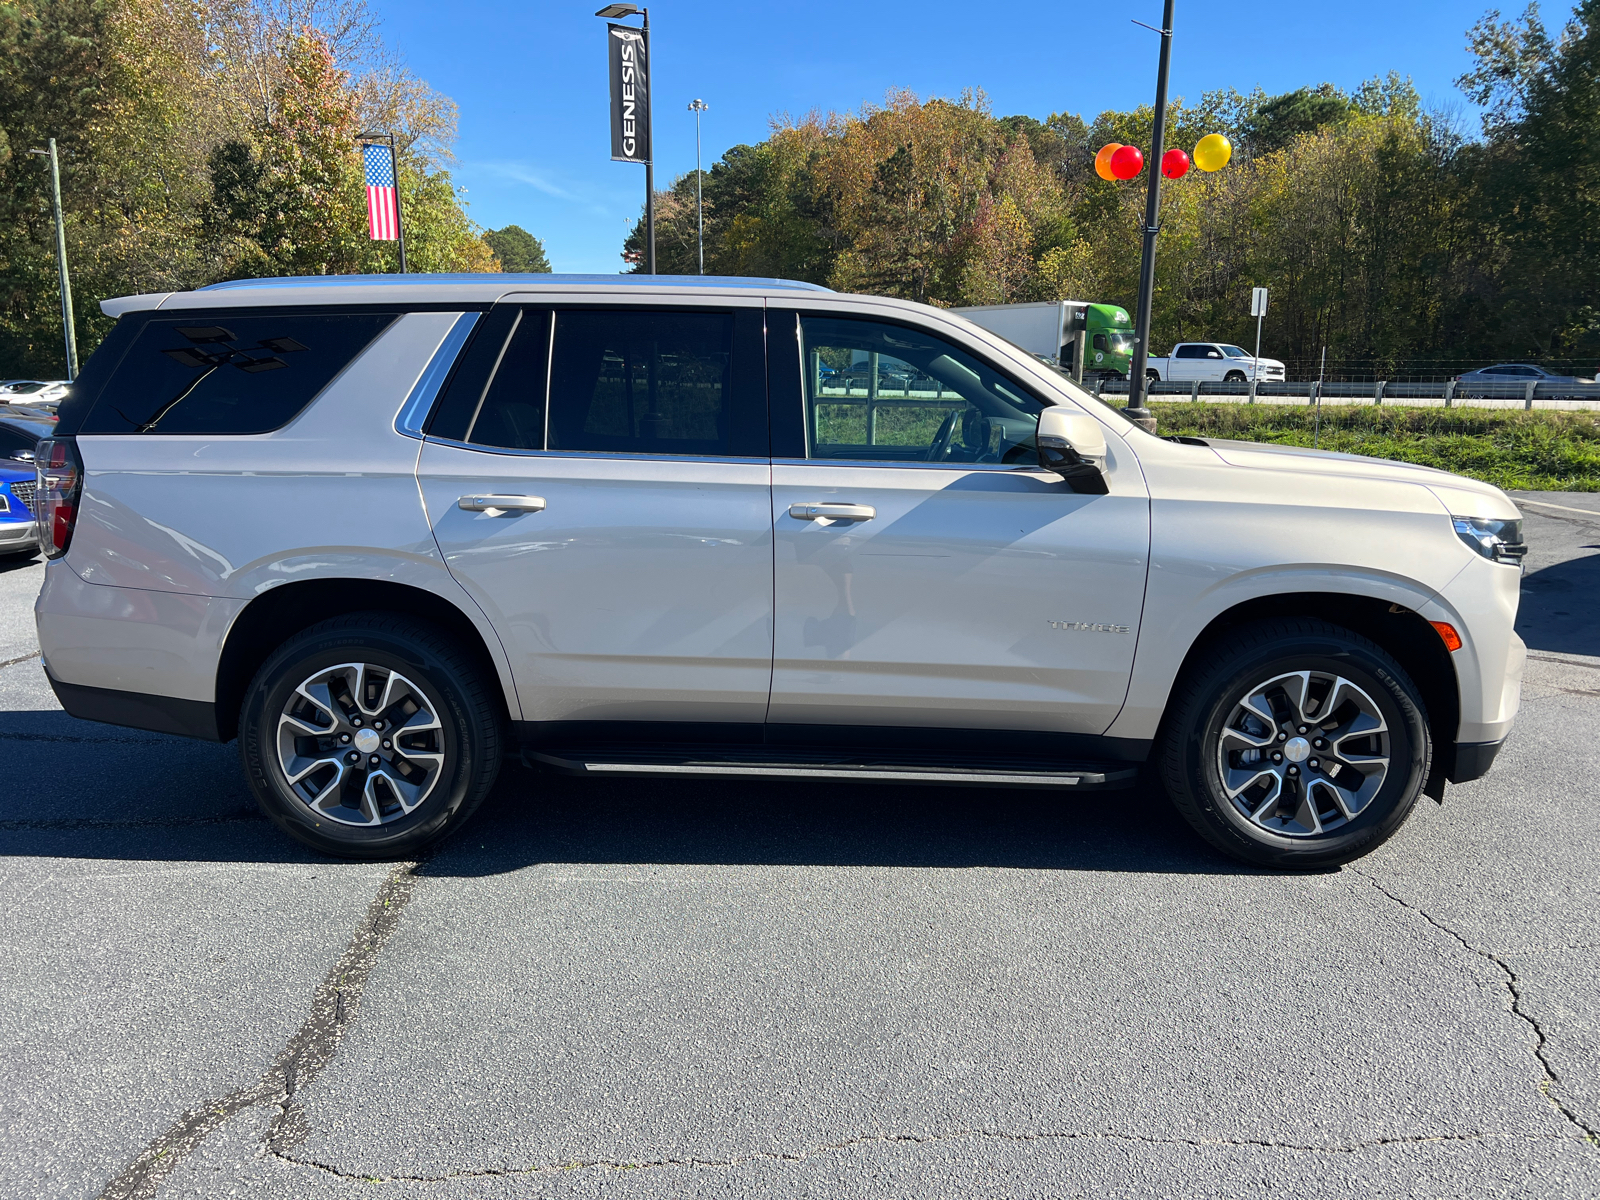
[{"x": 1073, "y": 445}]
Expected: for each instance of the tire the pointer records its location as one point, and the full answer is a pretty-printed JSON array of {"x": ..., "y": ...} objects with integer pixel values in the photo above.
[
  {"x": 1209, "y": 734},
  {"x": 402, "y": 792},
  {"x": 1152, "y": 376},
  {"x": 1234, "y": 377}
]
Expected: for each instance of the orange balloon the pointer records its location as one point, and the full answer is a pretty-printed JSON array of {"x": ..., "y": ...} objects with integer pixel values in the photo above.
[{"x": 1102, "y": 161}]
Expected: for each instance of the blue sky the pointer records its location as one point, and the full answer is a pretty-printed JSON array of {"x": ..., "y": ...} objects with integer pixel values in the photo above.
[{"x": 530, "y": 78}]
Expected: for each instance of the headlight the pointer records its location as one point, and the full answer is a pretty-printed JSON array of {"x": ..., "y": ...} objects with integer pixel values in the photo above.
[{"x": 1498, "y": 541}]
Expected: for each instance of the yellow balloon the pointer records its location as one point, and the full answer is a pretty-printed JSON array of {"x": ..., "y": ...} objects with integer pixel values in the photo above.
[{"x": 1213, "y": 152}]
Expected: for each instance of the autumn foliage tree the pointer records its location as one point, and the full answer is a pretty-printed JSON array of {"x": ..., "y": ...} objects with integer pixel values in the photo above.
[{"x": 203, "y": 140}]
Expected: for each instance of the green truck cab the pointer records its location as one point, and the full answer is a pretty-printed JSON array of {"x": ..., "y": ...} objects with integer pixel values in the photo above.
[{"x": 1051, "y": 329}]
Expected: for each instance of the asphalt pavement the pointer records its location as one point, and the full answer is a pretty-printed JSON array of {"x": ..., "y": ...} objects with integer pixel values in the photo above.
[{"x": 666, "y": 989}]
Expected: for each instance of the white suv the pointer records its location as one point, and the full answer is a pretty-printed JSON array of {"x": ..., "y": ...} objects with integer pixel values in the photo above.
[{"x": 385, "y": 531}]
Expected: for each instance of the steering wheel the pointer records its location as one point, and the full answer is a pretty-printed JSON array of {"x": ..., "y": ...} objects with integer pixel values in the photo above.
[{"x": 942, "y": 439}]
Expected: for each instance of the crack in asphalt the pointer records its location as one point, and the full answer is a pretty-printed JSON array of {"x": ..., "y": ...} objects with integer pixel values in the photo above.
[
  {"x": 913, "y": 1139},
  {"x": 1513, "y": 983},
  {"x": 308, "y": 1051},
  {"x": 11, "y": 662}
]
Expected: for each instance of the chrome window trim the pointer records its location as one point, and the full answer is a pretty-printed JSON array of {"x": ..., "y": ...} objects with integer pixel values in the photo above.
[
  {"x": 414, "y": 412},
  {"x": 609, "y": 456},
  {"x": 901, "y": 463}
]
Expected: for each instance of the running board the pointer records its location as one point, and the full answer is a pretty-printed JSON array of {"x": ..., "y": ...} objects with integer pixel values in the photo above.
[{"x": 858, "y": 768}]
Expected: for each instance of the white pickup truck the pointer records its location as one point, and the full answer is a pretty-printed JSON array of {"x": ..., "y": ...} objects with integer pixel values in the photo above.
[{"x": 1213, "y": 361}]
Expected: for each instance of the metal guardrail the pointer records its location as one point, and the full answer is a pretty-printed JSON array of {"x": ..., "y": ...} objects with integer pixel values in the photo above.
[{"x": 1378, "y": 393}]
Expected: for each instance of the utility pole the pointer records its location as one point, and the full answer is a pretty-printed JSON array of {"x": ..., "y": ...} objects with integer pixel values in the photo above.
[
  {"x": 1152, "y": 211},
  {"x": 61, "y": 258},
  {"x": 697, "y": 107}
]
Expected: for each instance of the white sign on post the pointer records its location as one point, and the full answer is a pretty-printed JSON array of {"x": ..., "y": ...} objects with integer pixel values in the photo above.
[{"x": 1258, "y": 302}]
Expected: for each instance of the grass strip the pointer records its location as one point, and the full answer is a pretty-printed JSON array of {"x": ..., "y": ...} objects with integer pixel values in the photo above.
[{"x": 1542, "y": 450}]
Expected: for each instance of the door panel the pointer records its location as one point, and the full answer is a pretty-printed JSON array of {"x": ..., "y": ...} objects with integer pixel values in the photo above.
[
  {"x": 641, "y": 592},
  {"x": 618, "y": 526},
  {"x": 971, "y": 599}
]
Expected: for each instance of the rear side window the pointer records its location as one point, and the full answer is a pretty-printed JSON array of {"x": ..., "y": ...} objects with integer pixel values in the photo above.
[
  {"x": 650, "y": 383},
  {"x": 219, "y": 373}
]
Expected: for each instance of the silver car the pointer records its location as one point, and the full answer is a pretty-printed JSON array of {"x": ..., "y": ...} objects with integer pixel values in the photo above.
[{"x": 386, "y": 532}]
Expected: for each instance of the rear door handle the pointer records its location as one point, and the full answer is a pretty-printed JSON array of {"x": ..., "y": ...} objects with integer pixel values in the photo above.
[
  {"x": 500, "y": 506},
  {"x": 832, "y": 512}
]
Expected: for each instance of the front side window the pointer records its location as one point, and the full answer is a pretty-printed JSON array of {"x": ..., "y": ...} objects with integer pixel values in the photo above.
[
  {"x": 1100, "y": 342},
  {"x": 880, "y": 392},
  {"x": 221, "y": 373}
]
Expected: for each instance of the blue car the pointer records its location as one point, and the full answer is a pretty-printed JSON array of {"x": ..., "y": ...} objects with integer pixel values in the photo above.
[{"x": 19, "y": 533}]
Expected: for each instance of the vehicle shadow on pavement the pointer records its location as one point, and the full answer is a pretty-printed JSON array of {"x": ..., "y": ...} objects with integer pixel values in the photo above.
[
  {"x": 18, "y": 563},
  {"x": 1559, "y": 612},
  {"x": 534, "y": 817},
  {"x": 136, "y": 796}
]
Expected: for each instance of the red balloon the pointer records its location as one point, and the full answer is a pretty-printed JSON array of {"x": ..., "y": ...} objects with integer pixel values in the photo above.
[
  {"x": 1127, "y": 162},
  {"x": 1174, "y": 164}
]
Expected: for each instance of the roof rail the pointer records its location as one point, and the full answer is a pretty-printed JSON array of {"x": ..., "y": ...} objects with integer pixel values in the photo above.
[{"x": 544, "y": 280}]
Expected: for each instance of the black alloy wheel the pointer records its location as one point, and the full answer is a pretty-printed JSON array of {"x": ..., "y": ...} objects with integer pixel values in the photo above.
[
  {"x": 369, "y": 736},
  {"x": 1295, "y": 744}
]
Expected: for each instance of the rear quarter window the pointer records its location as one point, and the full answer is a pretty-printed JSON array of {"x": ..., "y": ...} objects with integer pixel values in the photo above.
[{"x": 221, "y": 373}]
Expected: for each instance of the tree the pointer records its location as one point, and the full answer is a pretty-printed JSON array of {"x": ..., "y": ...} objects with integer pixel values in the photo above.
[
  {"x": 517, "y": 250},
  {"x": 1278, "y": 121},
  {"x": 1537, "y": 179}
]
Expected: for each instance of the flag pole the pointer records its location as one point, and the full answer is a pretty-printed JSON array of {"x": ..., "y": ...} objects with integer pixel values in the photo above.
[
  {"x": 399, "y": 217},
  {"x": 650, "y": 164}
]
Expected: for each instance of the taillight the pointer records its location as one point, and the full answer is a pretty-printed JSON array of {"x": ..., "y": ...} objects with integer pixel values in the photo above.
[{"x": 60, "y": 481}]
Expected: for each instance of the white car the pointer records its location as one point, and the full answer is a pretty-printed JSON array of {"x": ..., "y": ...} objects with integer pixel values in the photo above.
[
  {"x": 387, "y": 531},
  {"x": 1219, "y": 362}
]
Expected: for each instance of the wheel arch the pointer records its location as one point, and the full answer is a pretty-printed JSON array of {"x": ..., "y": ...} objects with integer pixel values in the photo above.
[
  {"x": 1400, "y": 631},
  {"x": 279, "y": 613}
]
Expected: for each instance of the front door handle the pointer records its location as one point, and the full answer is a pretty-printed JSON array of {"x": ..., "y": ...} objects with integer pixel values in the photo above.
[
  {"x": 832, "y": 512},
  {"x": 500, "y": 506}
]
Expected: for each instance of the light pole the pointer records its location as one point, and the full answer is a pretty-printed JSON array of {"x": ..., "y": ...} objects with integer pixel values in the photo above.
[
  {"x": 1152, "y": 211},
  {"x": 61, "y": 258},
  {"x": 697, "y": 107},
  {"x": 611, "y": 12}
]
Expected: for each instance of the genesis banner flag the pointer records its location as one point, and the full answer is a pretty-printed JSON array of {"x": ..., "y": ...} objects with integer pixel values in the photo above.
[{"x": 630, "y": 94}]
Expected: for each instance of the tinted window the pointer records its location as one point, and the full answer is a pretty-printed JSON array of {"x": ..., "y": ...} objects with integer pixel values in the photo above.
[
  {"x": 14, "y": 442},
  {"x": 885, "y": 392},
  {"x": 1100, "y": 341},
  {"x": 1192, "y": 351},
  {"x": 511, "y": 412},
  {"x": 223, "y": 373},
  {"x": 642, "y": 382}
]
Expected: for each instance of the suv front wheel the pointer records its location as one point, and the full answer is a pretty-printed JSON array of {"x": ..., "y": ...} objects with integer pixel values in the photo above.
[
  {"x": 1298, "y": 744},
  {"x": 369, "y": 735}
]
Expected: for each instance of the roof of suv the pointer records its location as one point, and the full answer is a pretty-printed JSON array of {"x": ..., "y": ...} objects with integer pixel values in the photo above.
[{"x": 433, "y": 289}]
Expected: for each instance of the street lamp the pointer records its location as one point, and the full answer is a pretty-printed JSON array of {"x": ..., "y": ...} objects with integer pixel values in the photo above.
[
  {"x": 67, "y": 325},
  {"x": 697, "y": 107},
  {"x": 1137, "y": 384},
  {"x": 611, "y": 12}
]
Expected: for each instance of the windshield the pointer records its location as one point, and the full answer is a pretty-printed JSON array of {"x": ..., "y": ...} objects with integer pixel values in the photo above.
[
  {"x": 1121, "y": 343},
  {"x": 1234, "y": 352}
]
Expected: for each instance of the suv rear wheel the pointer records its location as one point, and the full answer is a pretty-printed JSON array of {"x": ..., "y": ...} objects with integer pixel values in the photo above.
[
  {"x": 1298, "y": 744},
  {"x": 369, "y": 736}
]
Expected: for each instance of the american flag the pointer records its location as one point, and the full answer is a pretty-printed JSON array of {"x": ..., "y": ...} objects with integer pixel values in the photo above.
[{"x": 382, "y": 218}]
